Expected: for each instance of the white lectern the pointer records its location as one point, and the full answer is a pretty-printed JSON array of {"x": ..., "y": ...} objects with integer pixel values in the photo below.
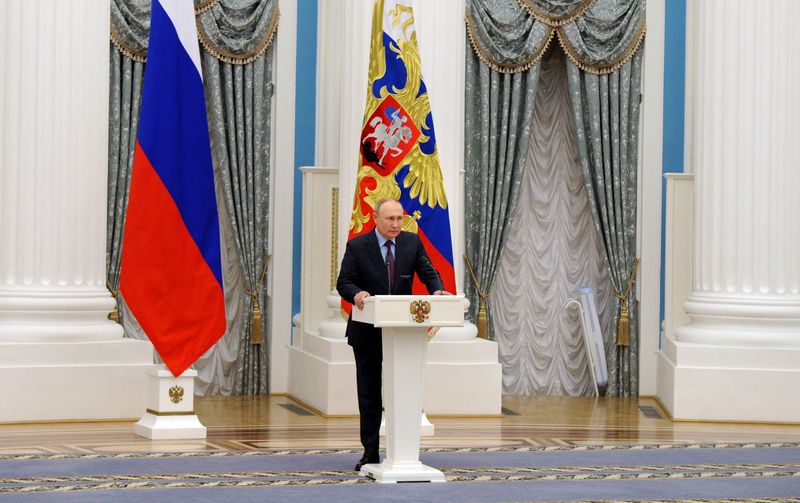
[{"x": 405, "y": 320}]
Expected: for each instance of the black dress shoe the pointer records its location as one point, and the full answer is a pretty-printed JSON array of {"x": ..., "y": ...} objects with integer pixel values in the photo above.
[{"x": 366, "y": 461}]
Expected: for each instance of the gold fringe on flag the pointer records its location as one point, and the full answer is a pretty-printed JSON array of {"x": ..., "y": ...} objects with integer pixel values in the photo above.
[
  {"x": 623, "y": 325},
  {"x": 483, "y": 318}
]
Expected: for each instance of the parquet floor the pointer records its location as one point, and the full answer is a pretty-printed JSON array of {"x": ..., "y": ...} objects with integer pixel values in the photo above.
[{"x": 278, "y": 422}]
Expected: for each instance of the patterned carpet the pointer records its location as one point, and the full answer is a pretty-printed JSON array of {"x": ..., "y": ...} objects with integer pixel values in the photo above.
[{"x": 695, "y": 472}]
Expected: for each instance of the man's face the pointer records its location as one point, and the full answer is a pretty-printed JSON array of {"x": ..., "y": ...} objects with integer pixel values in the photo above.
[{"x": 390, "y": 219}]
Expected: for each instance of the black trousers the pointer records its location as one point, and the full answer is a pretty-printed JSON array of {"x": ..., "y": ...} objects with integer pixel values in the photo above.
[{"x": 369, "y": 366}]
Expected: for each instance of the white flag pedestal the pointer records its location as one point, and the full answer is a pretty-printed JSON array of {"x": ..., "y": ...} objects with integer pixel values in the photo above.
[
  {"x": 405, "y": 320},
  {"x": 170, "y": 407}
]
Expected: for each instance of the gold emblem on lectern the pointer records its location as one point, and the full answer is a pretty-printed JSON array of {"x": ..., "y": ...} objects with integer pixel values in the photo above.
[
  {"x": 420, "y": 310},
  {"x": 176, "y": 394}
]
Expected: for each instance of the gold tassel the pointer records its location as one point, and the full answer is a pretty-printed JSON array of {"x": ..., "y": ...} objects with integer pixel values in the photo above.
[
  {"x": 483, "y": 320},
  {"x": 255, "y": 337},
  {"x": 114, "y": 315},
  {"x": 623, "y": 327},
  {"x": 483, "y": 316},
  {"x": 256, "y": 329}
]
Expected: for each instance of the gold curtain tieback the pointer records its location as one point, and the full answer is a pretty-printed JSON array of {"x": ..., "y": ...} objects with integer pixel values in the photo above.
[
  {"x": 256, "y": 328},
  {"x": 114, "y": 314},
  {"x": 623, "y": 326},
  {"x": 483, "y": 317}
]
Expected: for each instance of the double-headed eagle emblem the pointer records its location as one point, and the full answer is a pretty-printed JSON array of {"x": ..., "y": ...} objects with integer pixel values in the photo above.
[
  {"x": 420, "y": 310},
  {"x": 176, "y": 394}
]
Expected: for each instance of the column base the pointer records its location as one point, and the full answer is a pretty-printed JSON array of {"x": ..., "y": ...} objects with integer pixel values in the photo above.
[
  {"x": 62, "y": 381},
  {"x": 729, "y": 382},
  {"x": 62, "y": 314},
  {"x": 322, "y": 374},
  {"x": 461, "y": 377},
  {"x": 741, "y": 320},
  {"x": 390, "y": 472}
]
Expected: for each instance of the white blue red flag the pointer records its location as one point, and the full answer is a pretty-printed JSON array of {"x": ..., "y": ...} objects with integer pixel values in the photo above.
[
  {"x": 171, "y": 272},
  {"x": 398, "y": 155}
]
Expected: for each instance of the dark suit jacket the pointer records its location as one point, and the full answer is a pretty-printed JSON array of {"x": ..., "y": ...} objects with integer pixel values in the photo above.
[{"x": 363, "y": 268}]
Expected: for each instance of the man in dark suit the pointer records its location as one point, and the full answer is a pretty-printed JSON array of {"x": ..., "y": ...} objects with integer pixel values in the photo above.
[{"x": 380, "y": 262}]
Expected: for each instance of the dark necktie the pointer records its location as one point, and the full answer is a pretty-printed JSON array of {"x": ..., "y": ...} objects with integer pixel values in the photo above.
[{"x": 389, "y": 263}]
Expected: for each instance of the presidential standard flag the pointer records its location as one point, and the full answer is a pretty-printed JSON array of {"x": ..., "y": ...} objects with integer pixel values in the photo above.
[
  {"x": 171, "y": 274},
  {"x": 398, "y": 156}
]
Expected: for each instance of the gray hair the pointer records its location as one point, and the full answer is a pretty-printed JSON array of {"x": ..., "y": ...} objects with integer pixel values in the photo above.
[{"x": 383, "y": 201}]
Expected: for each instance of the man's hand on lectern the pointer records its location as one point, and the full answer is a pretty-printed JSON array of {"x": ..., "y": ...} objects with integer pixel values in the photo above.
[{"x": 359, "y": 298}]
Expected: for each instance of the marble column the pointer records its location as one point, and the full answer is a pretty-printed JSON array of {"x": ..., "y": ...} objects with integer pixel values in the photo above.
[
  {"x": 743, "y": 67},
  {"x": 744, "y": 148},
  {"x": 53, "y": 175},
  {"x": 53, "y": 151}
]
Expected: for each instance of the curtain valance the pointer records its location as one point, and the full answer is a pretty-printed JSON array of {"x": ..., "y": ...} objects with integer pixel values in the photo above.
[
  {"x": 599, "y": 36},
  {"x": 234, "y": 31}
]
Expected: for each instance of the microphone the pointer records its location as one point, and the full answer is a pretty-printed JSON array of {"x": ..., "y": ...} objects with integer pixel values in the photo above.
[{"x": 435, "y": 270}]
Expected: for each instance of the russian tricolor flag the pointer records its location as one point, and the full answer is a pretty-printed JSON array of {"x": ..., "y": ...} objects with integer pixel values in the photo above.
[{"x": 171, "y": 274}]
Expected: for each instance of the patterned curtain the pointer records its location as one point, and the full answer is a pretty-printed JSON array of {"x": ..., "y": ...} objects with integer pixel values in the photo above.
[
  {"x": 606, "y": 113},
  {"x": 235, "y": 37},
  {"x": 239, "y": 110},
  {"x": 599, "y": 38},
  {"x": 499, "y": 112},
  {"x": 123, "y": 121}
]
